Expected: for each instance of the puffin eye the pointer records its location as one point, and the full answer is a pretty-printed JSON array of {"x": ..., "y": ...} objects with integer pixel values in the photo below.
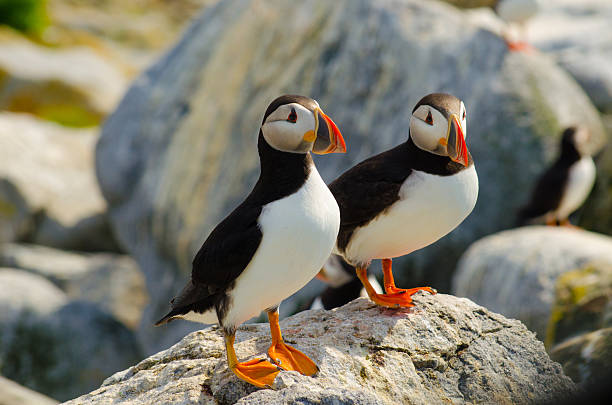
[
  {"x": 292, "y": 116},
  {"x": 429, "y": 118},
  {"x": 463, "y": 116}
]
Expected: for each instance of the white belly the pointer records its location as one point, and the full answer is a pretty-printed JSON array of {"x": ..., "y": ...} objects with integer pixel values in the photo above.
[
  {"x": 299, "y": 232},
  {"x": 579, "y": 184},
  {"x": 429, "y": 207}
]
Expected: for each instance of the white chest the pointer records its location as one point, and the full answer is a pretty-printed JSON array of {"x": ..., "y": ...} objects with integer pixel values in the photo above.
[
  {"x": 579, "y": 184},
  {"x": 299, "y": 232},
  {"x": 429, "y": 207}
]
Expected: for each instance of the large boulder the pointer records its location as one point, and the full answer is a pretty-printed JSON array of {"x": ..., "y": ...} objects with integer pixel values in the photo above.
[
  {"x": 113, "y": 282},
  {"x": 48, "y": 189},
  {"x": 55, "y": 346},
  {"x": 447, "y": 350},
  {"x": 557, "y": 281},
  {"x": 179, "y": 152}
]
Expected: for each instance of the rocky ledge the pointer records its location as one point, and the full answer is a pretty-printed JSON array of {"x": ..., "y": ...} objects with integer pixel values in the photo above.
[{"x": 446, "y": 349}]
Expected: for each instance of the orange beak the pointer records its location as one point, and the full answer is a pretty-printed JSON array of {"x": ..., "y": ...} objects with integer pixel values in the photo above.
[
  {"x": 457, "y": 149},
  {"x": 329, "y": 139}
]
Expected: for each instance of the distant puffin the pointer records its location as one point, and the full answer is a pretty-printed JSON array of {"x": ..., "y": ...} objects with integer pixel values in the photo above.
[
  {"x": 273, "y": 243},
  {"x": 344, "y": 286},
  {"x": 564, "y": 187},
  {"x": 408, "y": 197},
  {"x": 516, "y": 12}
]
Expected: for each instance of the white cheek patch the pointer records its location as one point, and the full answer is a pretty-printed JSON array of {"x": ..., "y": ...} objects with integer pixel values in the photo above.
[
  {"x": 426, "y": 136},
  {"x": 284, "y": 135}
]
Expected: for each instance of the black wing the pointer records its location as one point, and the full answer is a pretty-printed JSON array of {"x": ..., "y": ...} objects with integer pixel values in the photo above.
[
  {"x": 229, "y": 248},
  {"x": 546, "y": 195},
  {"x": 367, "y": 189},
  {"x": 224, "y": 255}
]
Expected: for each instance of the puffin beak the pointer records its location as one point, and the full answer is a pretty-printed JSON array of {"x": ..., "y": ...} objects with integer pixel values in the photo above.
[
  {"x": 328, "y": 136},
  {"x": 456, "y": 147}
]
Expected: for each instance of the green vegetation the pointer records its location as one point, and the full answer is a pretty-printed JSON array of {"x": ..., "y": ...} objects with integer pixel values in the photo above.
[{"x": 28, "y": 16}]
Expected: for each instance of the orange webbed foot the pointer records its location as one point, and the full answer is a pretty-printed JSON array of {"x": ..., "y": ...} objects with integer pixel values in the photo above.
[
  {"x": 291, "y": 359},
  {"x": 398, "y": 297},
  {"x": 259, "y": 372}
]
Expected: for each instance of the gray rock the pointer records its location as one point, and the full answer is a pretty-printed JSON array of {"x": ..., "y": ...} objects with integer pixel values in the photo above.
[
  {"x": 519, "y": 272},
  {"x": 582, "y": 302},
  {"x": 113, "y": 282},
  {"x": 75, "y": 86},
  {"x": 48, "y": 189},
  {"x": 66, "y": 353},
  {"x": 179, "y": 152},
  {"x": 12, "y": 393},
  {"x": 24, "y": 292},
  {"x": 587, "y": 359},
  {"x": 577, "y": 35},
  {"x": 446, "y": 350}
]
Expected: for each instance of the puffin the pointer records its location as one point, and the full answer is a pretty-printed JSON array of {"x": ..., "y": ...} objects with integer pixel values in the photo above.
[
  {"x": 343, "y": 285},
  {"x": 516, "y": 12},
  {"x": 273, "y": 243},
  {"x": 565, "y": 185},
  {"x": 408, "y": 197}
]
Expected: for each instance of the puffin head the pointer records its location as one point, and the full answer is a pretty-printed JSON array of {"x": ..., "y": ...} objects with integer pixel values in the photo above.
[
  {"x": 575, "y": 140},
  {"x": 297, "y": 124},
  {"x": 438, "y": 125}
]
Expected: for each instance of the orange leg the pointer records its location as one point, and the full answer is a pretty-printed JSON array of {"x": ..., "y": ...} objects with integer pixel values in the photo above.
[
  {"x": 394, "y": 297},
  {"x": 259, "y": 372},
  {"x": 284, "y": 355}
]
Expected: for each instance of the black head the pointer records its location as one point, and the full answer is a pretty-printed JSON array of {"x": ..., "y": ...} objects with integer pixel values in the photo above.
[{"x": 574, "y": 140}]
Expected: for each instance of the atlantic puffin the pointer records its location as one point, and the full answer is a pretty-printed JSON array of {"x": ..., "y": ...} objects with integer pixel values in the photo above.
[
  {"x": 564, "y": 186},
  {"x": 516, "y": 13},
  {"x": 407, "y": 197},
  {"x": 343, "y": 284},
  {"x": 273, "y": 243}
]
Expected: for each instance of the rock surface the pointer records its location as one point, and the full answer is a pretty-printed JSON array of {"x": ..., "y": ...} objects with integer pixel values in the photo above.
[
  {"x": 587, "y": 359},
  {"x": 74, "y": 86},
  {"x": 113, "y": 282},
  {"x": 21, "y": 291},
  {"x": 12, "y": 393},
  {"x": 446, "y": 349},
  {"x": 179, "y": 152},
  {"x": 577, "y": 35},
  {"x": 58, "y": 347},
  {"x": 582, "y": 303},
  {"x": 48, "y": 189},
  {"x": 519, "y": 272}
]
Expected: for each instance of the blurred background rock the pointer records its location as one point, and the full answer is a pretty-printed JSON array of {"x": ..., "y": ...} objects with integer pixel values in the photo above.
[{"x": 178, "y": 106}]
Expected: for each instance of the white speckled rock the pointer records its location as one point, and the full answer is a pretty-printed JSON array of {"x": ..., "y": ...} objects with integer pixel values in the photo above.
[
  {"x": 515, "y": 272},
  {"x": 179, "y": 152},
  {"x": 446, "y": 350}
]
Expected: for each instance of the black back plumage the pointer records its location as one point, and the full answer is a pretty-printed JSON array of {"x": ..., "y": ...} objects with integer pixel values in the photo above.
[
  {"x": 550, "y": 187},
  {"x": 231, "y": 245},
  {"x": 372, "y": 186}
]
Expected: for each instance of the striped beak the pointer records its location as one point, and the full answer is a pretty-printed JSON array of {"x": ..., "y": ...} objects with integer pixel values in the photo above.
[
  {"x": 456, "y": 147},
  {"x": 329, "y": 139}
]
